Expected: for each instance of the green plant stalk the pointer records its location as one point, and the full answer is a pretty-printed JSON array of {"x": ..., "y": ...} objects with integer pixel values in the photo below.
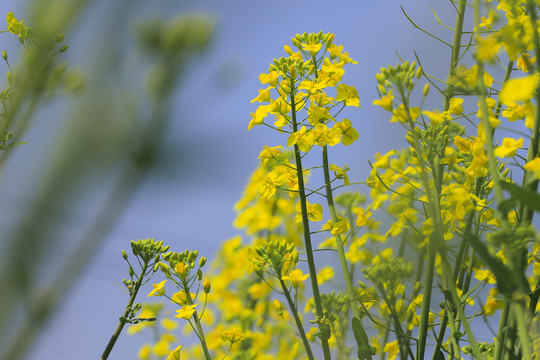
[
  {"x": 297, "y": 320},
  {"x": 435, "y": 239},
  {"x": 341, "y": 251},
  {"x": 200, "y": 331},
  {"x": 122, "y": 321},
  {"x": 456, "y": 43},
  {"x": 451, "y": 285},
  {"x": 493, "y": 169},
  {"x": 305, "y": 223},
  {"x": 523, "y": 329},
  {"x": 525, "y": 214},
  {"x": 426, "y": 302}
]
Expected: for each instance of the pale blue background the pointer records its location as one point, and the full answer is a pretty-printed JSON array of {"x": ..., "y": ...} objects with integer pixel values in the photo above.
[{"x": 190, "y": 205}]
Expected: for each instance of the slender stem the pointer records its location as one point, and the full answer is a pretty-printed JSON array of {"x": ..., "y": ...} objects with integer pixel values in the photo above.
[
  {"x": 128, "y": 310},
  {"x": 341, "y": 251},
  {"x": 200, "y": 332},
  {"x": 305, "y": 223},
  {"x": 297, "y": 320}
]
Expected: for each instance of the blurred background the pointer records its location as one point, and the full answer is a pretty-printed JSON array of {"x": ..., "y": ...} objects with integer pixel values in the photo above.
[{"x": 148, "y": 138}]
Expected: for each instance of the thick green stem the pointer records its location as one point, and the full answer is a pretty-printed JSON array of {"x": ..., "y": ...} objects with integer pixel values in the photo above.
[
  {"x": 307, "y": 234},
  {"x": 128, "y": 310},
  {"x": 426, "y": 303},
  {"x": 297, "y": 320}
]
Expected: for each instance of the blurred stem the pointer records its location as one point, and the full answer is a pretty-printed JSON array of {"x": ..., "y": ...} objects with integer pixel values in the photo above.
[
  {"x": 297, "y": 320},
  {"x": 126, "y": 314},
  {"x": 305, "y": 223}
]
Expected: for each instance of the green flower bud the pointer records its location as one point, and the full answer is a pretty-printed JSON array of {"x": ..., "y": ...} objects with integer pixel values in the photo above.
[
  {"x": 63, "y": 49},
  {"x": 131, "y": 271},
  {"x": 4, "y": 55},
  {"x": 426, "y": 90},
  {"x": 59, "y": 37},
  {"x": 199, "y": 274},
  {"x": 124, "y": 254},
  {"x": 202, "y": 262}
]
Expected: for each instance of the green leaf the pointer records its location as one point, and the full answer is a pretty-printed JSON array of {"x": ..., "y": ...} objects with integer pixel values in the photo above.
[
  {"x": 364, "y": 350},
  {"x": 506, "y": 281},
  {"x": 528, "y": 198}
]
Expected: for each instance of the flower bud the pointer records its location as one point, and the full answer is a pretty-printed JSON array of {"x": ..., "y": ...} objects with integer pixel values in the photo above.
[
  {"x": 59, "y": 37},
  {"x": 426, "y": 90},
  {"x": 124, "y": 254},
  {"x": 199, "y": 274},
  {"x": 4, "y": 54},
  {"x": 202, "y": 262},
  {"x": 131, "y": 271},
  {"x": 329, "y": 40},
  {"x": 181, "y": 269},
  {"x": 63, "y": 49},
  {"x": 288, "y": 49},
  {"x": 206, "y": 286},
  {"x": 419, "y": 72}
]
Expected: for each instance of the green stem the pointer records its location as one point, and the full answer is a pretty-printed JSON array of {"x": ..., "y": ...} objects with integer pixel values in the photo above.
[
  {"x": 456, "y": 44},
  {"x": 523, "y": 328},
  {"x": 426, "y": 302},
  {"x": 128, "y": 310},
  {"x": 364, "y": 348},
  {"x": 200, "y": 332},
  {"x": 305, "y": 223},
  {"x": 297, "y": 320}
]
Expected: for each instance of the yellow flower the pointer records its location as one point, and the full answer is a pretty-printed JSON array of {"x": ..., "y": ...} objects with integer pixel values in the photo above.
[
  {"x": 268, "y": 153},
  {"x": 456, "y": 107},
  {"x": 362, "y": 216},
  {"x": 534, "y": 167},
  {"x": 436, "y": 116},
  {"x": 341, "y": 173},
  {"x": 186, "y": 312},
  {"x": 493, "y": 303},
  {"x": 175, "y": 354},
  {"x": 264, "y": 95},
  {"x": 463, "y": 145},
  {"x": 524, "y": 63},
  {"x": 349, "y": 134},
  {"x": 392, "y": 349},
  {"x": 169, "y": 324},
  {"x": 144, "y": 352},
  {"x": 348, "y": 94},
  {"x": 386, "y": 102},
  {"x": 295, "y": 277},
  {"x": 16, "y": 27},
  {"x": 340, "y": 227},
  {"x": 181, "y": 269},
  {"x": 314, "y": 212},
  {"x": 271, "y": 78},
  {"x": 487, "y": 48},
  {"x": 521, "y": 89},
  {"x": 325, "y": 274},
  {"x": 161, "y": 348},
  {"x": 233, "y": 335},
  {"x": 302, "y": 138},
  {"x": 508, "y": 147},
  {"x": 159, "y": 289},
  {"x": 312, "y": 48}
]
